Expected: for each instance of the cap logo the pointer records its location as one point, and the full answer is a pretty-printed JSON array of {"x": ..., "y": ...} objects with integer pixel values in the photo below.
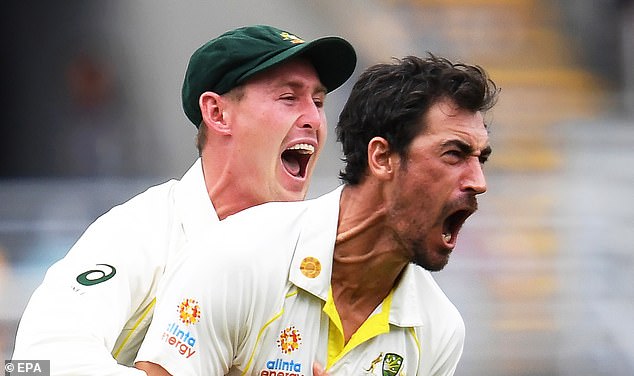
[{"x": 292, "y": 38}]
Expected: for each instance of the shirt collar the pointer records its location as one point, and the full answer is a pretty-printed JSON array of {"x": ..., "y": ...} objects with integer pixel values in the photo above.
[
  {"x": 311, "y": 266},
  {"x": 315, "y": 245},
  {"x": 408, "y": 303},
  {"x": 192, "y": 203}
]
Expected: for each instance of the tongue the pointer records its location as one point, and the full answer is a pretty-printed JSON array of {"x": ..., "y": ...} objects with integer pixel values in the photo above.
[{"x": 291, "y": 165}]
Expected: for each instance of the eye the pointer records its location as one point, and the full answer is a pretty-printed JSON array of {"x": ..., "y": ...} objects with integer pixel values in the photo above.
[
  {"x": 319, "y": 102},
  {"x": 288, "y": 97},
  {"x": 484, "y": 156},
  {"x": 453, "y": 156}
]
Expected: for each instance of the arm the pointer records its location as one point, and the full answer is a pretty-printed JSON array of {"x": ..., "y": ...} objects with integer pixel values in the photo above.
[
  {"x": 195, "y": 326},
  {"x": 75, "y": 316},
  {"x": 450, "y": 348},
  {"x": 211, "y": 304},
  {"x": 216, "y": 296}
]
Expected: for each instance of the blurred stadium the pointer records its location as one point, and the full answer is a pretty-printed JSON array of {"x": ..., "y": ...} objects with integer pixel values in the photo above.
[{"x": 543, "y": 273}]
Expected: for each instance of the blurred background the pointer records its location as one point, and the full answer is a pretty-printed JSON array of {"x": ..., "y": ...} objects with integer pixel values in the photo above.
[{"x": 543, "y": 273}]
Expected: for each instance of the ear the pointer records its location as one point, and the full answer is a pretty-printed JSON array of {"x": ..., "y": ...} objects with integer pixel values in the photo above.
[
  {"x": 211, "y": 109},
  {"x": 380, "y": 158}
]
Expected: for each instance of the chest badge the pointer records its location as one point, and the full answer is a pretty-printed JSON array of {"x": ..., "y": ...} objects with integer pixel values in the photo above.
[
  {"x": 391, "y": 365},
  {"x": 310, "y": 267},
  {"x": 289, "y": 340}
]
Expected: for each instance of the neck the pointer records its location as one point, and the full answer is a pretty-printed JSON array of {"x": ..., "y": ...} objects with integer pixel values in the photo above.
[
  {"x": 365, "y": 261},
  {"x": 227, "y": 196}
]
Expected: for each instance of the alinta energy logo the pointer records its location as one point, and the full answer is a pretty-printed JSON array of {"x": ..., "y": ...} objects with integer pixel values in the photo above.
[
  {"x": 177, "y": 334},
  {"x": 189, "y": 311},
  {"x": 289, "y": 340},
  {"x": 279, "y": 367}
]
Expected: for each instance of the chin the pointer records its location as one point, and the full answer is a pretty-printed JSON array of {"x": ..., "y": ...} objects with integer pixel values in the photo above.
[
  {"x": 435, "y": 263},
  {"x": 291, "y": 191},
  {"x": 432, "y": 267}
]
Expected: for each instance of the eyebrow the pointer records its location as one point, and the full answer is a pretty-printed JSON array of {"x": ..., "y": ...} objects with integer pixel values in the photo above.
[
  {"x": 467, "y": 148},
  {"x": 320, "y": 89}
]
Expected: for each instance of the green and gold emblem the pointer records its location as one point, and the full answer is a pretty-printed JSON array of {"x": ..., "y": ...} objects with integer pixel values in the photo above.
[{"x": 392, "y": 364}]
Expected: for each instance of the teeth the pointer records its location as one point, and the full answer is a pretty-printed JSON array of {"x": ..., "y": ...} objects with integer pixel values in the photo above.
[
  {"x": 303, "y": 148},
  {"x": 446, "y": 237}
]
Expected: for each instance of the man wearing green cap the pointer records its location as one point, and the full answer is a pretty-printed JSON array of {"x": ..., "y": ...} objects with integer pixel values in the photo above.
[
  {"x": 343, "y": 280},
  {"x": 256, "y": 95}
]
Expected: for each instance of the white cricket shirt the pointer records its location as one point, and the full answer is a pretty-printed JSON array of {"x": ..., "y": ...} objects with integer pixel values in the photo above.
[
  {"x": 257, "y": 302},
  {"x": 96, "y": 303}
]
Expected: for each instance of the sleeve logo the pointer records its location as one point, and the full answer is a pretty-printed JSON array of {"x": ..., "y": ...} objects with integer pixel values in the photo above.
[
  {"x": 189, "y": 311},
  {"x": 95, "y": 276},
  {"x": 183, "y": 338}
]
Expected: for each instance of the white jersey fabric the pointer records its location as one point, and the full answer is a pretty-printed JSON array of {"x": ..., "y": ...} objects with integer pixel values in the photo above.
[
  {"x": 257, "y": 301},
  {"x": 96, "y": 303}
]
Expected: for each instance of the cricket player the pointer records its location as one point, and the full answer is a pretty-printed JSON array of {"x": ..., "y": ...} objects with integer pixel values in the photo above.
[
  {"x": 343, "y": 280},
  {"x": 257, "y": 95}
]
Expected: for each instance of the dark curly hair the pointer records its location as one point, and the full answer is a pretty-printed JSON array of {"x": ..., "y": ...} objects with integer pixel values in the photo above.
[{"x": 390, "y": 101}]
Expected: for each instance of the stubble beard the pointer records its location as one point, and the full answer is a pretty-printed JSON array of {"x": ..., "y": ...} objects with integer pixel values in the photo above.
[{"x": 426, "y": 258}]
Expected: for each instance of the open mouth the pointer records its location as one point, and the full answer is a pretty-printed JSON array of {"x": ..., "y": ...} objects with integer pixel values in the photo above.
[
  {"x": 295, "y": 159},
  {"x": 452, "y": 225}
]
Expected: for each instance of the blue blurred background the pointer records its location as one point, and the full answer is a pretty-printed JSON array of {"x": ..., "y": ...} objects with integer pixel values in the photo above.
[{"x": 543, "y": 273}]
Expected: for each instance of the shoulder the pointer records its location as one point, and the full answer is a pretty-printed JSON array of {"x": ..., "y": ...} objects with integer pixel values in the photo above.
[
  {"x": 441, "y": 329},
  {"x": 269, "y": 226},
  {"x": 138, "y": 219},
  {"x": 155, "y": 198},
  {"x": 437, "y": 307},
  {"x": 256, "y": 244},
  {"x": 268, "y": 214},
  {"x": 257, "y": 239},
  {"x": 273, "y": 218},
  {"x": 132, "y": 233}
]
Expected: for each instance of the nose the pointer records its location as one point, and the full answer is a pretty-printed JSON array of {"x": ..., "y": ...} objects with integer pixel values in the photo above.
[
  {"x": 474, "y": 180},
  {"x": 312, "y": 116}
]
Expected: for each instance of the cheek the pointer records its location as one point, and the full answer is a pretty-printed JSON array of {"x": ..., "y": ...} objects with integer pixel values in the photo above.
[
  {"x": 411, "y": 200},
  {"x": 418, "y": 196},
  {"x": 259, "y": 138},
  {"x": 264, "y": 126}
]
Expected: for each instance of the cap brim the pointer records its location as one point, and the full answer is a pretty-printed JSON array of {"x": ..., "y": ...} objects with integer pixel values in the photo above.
[{"x": 334, "y": 60}]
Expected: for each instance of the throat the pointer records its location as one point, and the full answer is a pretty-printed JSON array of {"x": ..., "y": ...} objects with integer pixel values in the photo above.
[
  {"x": 367, "y": 225},
  {"x": 356, "y": 313}
]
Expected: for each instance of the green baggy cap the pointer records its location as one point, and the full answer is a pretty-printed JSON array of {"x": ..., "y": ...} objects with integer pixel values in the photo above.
[{"x": 227, "y": 61}]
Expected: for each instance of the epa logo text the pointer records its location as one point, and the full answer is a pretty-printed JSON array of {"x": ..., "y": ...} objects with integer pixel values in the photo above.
[{"x": 27, "y": 367}]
